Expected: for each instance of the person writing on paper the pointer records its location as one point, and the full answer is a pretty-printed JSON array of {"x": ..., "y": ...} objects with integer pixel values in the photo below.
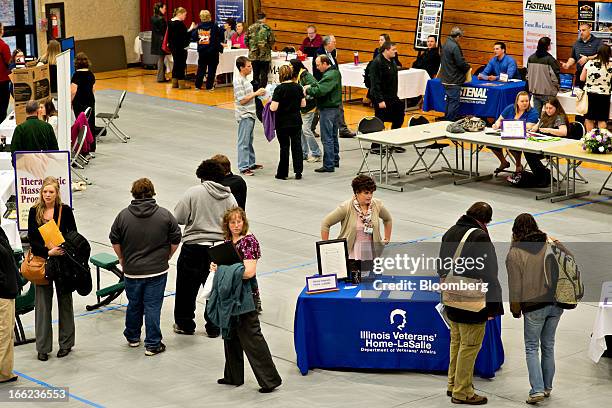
[
  {"x": 359, "y": 219},
  {"x": 500, "y": 64},
  {"x": 597, "y": 76},
  {"x": 520, "y": 110},
  {"x": 244, "y": 330},
  {"x": 49, "y": 207}
]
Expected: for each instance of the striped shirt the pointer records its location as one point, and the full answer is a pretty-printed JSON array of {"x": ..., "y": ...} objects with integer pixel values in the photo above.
[{"x": 243, "y": 87}]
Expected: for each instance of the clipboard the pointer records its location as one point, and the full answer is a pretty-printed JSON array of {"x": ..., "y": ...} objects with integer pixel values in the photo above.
[{"x": 224, "y": 254}]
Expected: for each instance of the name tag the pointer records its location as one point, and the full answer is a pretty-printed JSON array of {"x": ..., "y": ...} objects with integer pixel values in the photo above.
[{"x": 503, "y": 77}]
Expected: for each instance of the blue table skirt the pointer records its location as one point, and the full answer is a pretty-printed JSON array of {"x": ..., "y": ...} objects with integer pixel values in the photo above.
[
  {"x": 338, "y": 330},
  {"x": 477, "y": 99}
]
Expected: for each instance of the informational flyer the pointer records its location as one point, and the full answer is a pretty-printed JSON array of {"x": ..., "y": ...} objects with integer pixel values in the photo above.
[
  {"x": 31, "y": 168},
  {"x": 429, "y": 22}
]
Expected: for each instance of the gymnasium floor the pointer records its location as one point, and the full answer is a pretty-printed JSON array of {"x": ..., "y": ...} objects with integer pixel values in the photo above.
[{"x": 172, "y": 131}]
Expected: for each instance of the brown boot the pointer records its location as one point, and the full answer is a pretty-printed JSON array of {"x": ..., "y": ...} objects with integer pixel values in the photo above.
[
  {"x": 473, "y": 400},
  {"x": 183, "y": 85},
  {"x": 175, "y": 83}
]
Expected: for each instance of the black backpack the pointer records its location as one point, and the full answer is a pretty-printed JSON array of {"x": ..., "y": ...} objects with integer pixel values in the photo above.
[{"x": 366, "y": 75}]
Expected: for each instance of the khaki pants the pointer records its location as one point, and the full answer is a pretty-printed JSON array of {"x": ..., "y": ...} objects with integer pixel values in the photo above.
[
  {"x": 465, "y": 343},
  {"x": 7, "y": 338}
]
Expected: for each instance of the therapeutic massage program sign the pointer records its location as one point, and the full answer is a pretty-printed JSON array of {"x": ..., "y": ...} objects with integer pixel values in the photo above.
[
  {"x": 539, "y": 20},
  {"x": 31, "y": 168}
]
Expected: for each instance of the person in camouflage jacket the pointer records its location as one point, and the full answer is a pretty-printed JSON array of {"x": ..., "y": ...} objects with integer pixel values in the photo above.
[{"x": 260, "y": 39}]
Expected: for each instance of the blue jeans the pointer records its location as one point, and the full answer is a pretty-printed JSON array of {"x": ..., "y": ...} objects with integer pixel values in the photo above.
[
  {"x": 453, "y": 93},
  {"x": 539, "y": 331},
  {"x": 329, "y": 137},
  {"x": 246, "y": 154},
  {"x": 309, "y": 143},
  {"x": 145, "y": 297}
]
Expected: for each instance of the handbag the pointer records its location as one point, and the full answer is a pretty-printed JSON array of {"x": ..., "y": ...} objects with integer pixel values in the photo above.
[
  {"x": 470, "y": 300},
  {"x": 33, "y": 266},
  {"x": 582, "y": 102},
  {"x": 474, "y": 124},
  {"x": 164, "y": 46}
]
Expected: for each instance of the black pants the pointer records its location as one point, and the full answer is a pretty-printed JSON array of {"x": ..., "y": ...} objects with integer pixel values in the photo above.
[
  {"x": 290, "y": 138},
  {"x": 91, "y": 121},
  {"x": 393, "y": 112},
  {"x": 260, "y": 72},
  {"x": 191, "y": 272},
  {"x": 540, "y": 172},
  {"x": 180, "y": 64},
  {"x": 245, "y": 335},
  {"x": 207, "y": 63},
  {"x": 5, "y": 96}
]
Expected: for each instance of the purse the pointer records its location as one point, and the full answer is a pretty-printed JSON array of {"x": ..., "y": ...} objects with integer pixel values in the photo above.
[
  {"x": 165, "y": 48},
  {"x": 582, "y": 102},
  {"x": 469, "y": 300},
  {"x": 33, "y": 266}
]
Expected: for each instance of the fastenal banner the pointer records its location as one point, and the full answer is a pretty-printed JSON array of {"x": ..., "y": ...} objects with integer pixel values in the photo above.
[{"x": 539, "y": 20}]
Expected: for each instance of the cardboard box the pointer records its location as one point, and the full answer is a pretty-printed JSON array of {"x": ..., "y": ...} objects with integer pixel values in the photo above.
[{"x": 30, "y": 83}]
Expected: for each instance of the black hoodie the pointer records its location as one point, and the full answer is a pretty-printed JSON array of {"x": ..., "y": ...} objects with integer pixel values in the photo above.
[
  {"x": 145, "y": 232},
  {"x": 208, "y": 36}
]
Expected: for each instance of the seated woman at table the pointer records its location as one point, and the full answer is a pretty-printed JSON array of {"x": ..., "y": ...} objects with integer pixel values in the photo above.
[
  {"x": 520, "y": 110},
  {"x": 359, "y": 219},
  {"x": 238, "y": 37},
  {"x": 552, "y": 123},
  {"x": 531, "y": 296}
]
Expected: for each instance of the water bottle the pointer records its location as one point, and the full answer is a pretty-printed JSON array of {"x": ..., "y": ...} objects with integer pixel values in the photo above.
[{"x": 356, "y": 57}]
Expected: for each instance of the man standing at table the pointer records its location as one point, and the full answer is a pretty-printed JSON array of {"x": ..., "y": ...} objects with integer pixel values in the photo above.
[
  {"x": 584, "y": 49},
  {"x": 383, "y": 90},
  {"x": 452, "y": 72},
  {"x": 499, "y": 64},
  {"x": 328, "y": 92},
  {"x": 329, "y": 50},
  {"x": 260, "y": 39},
  {"x": 5, "y": 58},
  {"x": 312, "y": 42},
  {"x": 468, "y": 328}
]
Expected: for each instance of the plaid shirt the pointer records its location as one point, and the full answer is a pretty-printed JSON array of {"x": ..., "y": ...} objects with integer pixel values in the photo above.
[{"x": 243, "y": 87}]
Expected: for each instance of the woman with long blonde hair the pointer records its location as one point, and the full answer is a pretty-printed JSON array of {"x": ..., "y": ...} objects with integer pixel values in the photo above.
[
  {"x": 53, "y": 49},
  {"x": 49, "y": 207}
]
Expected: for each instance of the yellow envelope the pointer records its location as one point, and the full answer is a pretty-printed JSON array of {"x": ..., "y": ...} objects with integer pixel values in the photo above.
[{"x": 51, "y": 234}]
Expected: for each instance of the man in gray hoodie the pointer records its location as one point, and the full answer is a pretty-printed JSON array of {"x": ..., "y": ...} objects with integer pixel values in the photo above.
[
  {"x": 201, "y": 211},
  {"x": 144, "y": 237}
]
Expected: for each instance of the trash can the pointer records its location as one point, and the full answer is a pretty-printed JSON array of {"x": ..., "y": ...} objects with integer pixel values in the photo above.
[{"x": 148, "y": 61}]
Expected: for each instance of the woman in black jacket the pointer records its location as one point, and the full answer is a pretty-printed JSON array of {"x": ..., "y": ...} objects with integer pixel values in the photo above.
[
  {"x": 178, "y": 39},
  {"x": 158, "y": 32},
  {"x": 49, "y": 207}
]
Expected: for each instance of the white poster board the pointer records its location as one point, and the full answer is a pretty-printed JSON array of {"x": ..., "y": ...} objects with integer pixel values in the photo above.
[
  {"x": 539, "y": 20},
  {"x": 64, "y": 108},
  {"x": 31, "y": 168}
]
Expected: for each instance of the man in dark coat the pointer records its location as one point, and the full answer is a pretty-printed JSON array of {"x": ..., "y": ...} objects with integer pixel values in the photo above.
[{"x": 468, "y": 328}]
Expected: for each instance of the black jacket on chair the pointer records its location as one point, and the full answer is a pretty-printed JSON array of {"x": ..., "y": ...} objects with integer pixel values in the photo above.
[{"x": 478, "y": 245}]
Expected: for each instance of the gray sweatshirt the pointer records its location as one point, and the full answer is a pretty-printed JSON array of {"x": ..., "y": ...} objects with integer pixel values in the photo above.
[{"x": 201, "y": 211}]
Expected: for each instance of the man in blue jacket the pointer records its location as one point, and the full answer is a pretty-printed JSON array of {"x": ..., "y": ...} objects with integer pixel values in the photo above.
[{"x": 500, "y": 64}]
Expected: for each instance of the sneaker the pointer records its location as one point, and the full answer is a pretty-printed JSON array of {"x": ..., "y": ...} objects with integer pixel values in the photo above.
[
  {"x": 247, "y": 173},
  {"x": 256, "y": 167},
  {"x": 324, "y": 170},
  {"x": 155, "y": 350},
  {"x": 134, "y": 344},
  {"x": 178, "y": 330},
  {"x": 535, "y": 398},
  {"x": 314, "y": 159},
  {"x": 298, "y": 176},
  {"x": 547, "y": 393},
  {"x": 473, "y": 400}
]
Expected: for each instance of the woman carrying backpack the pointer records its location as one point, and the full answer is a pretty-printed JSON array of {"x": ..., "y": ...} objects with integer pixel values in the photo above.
[{"x": 531, "y": 287}]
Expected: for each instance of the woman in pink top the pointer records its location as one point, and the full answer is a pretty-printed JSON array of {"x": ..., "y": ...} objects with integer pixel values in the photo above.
[{"x": 238, "y": 37}]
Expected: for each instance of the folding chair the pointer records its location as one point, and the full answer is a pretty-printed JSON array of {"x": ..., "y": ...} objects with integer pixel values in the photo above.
[
  {"x": 76, "y": 153},
  {"x": 371, "y": 124},
  {"x": 421, "y": 150},
  {"x": 109, "y": 121}
]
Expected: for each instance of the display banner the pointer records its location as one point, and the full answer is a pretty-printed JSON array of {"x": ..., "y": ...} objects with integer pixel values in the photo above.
[
  {"x": 599, "y": 15},
  {"x": 225, "y": 9},
  {"x": 31, "y": 168},
  {"x": 539, "y": 20},
  {"x": 429, "y": 22}
]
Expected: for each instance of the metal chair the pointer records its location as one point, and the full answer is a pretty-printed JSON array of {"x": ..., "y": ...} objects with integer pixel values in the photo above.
[
  {"x": 371, "y": 124},
  {"x": 421, "y": 150},
  {"x": 76, "y": 153},
  {"x": 109, "y": 121}
]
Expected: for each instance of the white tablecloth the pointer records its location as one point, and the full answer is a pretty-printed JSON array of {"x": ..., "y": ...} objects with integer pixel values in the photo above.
[
  {"x": 410, "y": 82},
  {"x": 7, "y": 128},
  {"x": 603, "y": 323},
  {"x": 568, "y": 102},
  {"x": 278, "y": 60},
  {"x": 226, "y": 60}
]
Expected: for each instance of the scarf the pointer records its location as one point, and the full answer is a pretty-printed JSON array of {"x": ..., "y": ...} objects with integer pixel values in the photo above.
[{"x": 366, "y": 218}]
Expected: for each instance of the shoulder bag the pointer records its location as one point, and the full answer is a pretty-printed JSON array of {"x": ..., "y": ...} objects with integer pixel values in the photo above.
[
  {"x": 470, "y": 300},
  {"x": 33, "y": 266},
  {"x": 582, "y": 102}
]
